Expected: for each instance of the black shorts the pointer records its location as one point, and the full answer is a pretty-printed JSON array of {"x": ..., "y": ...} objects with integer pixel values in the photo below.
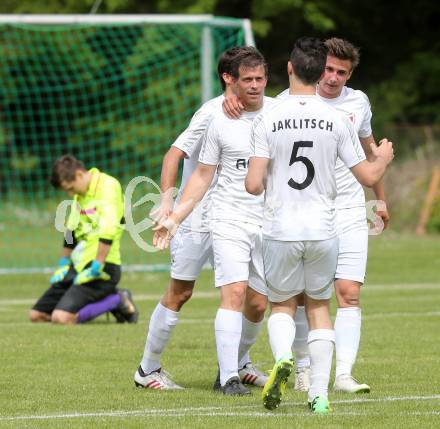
[{"x": 66, "y": 296}]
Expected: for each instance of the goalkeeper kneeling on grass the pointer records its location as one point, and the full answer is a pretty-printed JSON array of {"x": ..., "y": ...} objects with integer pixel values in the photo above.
[{"x": 84, "y": 285}]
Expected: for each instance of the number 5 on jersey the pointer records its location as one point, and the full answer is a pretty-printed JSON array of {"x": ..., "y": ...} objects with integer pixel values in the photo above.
[{"x": 306, "y": 161}]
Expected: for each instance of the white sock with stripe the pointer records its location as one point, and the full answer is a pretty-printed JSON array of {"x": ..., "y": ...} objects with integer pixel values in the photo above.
[{"x": 162, "y": 322}]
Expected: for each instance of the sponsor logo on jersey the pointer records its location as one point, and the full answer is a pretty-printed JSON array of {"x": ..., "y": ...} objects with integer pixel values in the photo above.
[
  {"x": 352, "y": 117},
  {"x": 241, "y": 163},
  {"x": 88, "y": 211}
]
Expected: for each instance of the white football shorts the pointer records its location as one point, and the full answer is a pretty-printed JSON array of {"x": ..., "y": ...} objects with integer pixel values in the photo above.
[
  {"x": 238, "y": 254},
  {"x": 190, "y": 250},
  {"x": 353, "y": 244},
  {"x": 293, "y": 267}
]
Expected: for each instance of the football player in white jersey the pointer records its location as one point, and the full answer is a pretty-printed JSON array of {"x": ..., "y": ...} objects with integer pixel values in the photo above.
[
  {"x": 342, "y": 59},
  {"x": 236, "y": 219},
  {"x": 190, "y": 249},
  {"x": 296, "y": 146}
]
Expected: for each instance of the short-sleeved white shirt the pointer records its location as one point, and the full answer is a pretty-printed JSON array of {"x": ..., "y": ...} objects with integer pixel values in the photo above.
[
  {"x": 190, "y": 142},
  {"x": 353, "y": 104},
  {"x": 227, "y": 144},
  {"x": 303, "y": 136}
]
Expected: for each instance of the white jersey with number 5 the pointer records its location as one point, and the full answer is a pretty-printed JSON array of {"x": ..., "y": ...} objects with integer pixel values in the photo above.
[
  {"x": 303, "y": 136},
  {"x": 353, "y": 104}
]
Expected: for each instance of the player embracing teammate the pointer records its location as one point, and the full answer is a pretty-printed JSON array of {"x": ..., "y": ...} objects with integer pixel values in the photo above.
[
  {"x": 192, "y": 245},
  {"x": 296, "y": 147},
  {"x": 342, "y": 59}
]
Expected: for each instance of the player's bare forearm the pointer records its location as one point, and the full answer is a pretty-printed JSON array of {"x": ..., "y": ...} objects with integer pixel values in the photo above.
[
  {"x": 366, "y": 143},
  {"x": 255, "y": 182},
  {"x": 194, "y": 191},
  {"x": 168, "y": 178},
  {"x": 170, "y": 168},
  {"x": 379, "y": 190},
  {"x": 368, "y": 173},
  {"x": 103, "y": 251}
]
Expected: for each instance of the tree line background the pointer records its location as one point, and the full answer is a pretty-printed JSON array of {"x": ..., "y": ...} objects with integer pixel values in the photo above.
[
  {"x": 399, "y": 42},
  {"x": 399, "y": 68}
]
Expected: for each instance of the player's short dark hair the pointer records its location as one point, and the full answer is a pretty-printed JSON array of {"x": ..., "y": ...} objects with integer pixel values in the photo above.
[
  {"x": 248, "y": 57},
  {"x": 64, "y": 170},
  {"x": 224, "y": 63},
  {"x": 343, "y": 50},
  {"x": 308, "y": 58}
]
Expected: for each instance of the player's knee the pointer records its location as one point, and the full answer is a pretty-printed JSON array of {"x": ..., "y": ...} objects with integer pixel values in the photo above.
[
  {"x": 182, "y": 297},
  {"x": 35, "y": 316},
  {"x": 347, "y": 293},
  {"x": 235, "y": 298},
  {"x": 256, "y": 306},
  {"x": 178, "y": 295},
  {"x": 348, "y": 300}
]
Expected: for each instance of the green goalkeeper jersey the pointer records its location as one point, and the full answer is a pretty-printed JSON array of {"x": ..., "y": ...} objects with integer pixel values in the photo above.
[{"x": 97, "y": 216}]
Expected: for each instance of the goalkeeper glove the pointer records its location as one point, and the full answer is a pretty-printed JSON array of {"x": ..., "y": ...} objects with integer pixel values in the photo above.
[
  {"x": 94, "y": 272},
  {"x": 60, "y": 273}
]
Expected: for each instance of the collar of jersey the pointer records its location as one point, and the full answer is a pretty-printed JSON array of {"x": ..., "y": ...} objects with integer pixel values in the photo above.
[
  {"x": 336, "y": 100},
  {"x": 247, "y": 114},
  {"x": 302, "y": 96}
]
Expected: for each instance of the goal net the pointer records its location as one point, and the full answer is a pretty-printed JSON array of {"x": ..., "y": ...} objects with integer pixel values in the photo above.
[{"x": 115, "y": 91}]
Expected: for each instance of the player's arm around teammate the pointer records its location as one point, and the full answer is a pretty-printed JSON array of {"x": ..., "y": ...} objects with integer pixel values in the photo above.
[
  {"x": 191, "y": 248},
  {"x": 304, "y": 242},
  {"x": 342, "y": 59},
  {"x": 236, "y": 223}
]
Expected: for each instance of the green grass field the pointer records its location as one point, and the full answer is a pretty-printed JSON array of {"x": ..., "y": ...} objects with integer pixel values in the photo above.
[{"x": 82, "y": 376}]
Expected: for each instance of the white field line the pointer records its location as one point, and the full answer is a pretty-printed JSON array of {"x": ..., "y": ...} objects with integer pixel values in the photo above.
[
  {"x": 217, "y": 411},
  {"x": 138, "y": 297},
  {"x": 262, "y": 414},
  {"x": 216, "y": 294},
  {"x": 211, "y": 321},
  {"x": 128, "y": 268}
]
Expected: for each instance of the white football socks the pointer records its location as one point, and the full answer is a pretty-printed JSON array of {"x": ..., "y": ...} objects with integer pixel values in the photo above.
[
  {"x": 162, "y": 323},
  {"x": 281, "y": 328},
  {"x": 321, "y": 346},
  {"x": 228, "y": 325},
  {"x": 249, "y": 333},
  {"x": 300, "y": 346},
  {"x": 348, "y": 334}
]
